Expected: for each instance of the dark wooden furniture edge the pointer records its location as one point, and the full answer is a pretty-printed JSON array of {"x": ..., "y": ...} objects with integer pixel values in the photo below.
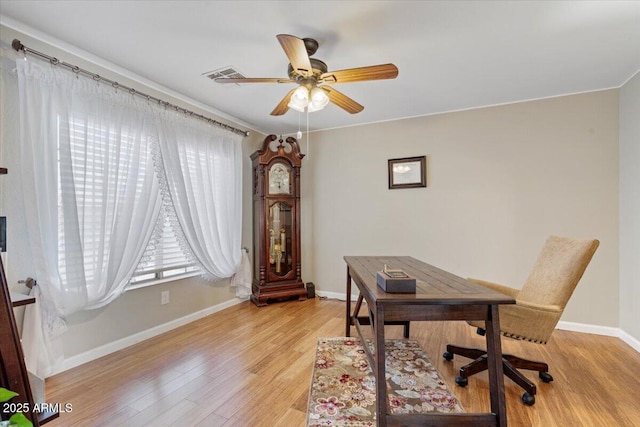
[
  {"x": 18, "y": 300},
  {"x": 13, "y": 372},
  {"x": 443, "y": 420}
]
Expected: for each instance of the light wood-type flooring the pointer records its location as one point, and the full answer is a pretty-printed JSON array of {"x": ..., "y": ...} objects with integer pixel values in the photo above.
[{"x": 249, "y": 366}]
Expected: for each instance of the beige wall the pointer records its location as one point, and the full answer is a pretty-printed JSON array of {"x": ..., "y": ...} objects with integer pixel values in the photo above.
[
  {"x": 630, "y": 207},
  {"x": 500, "y": 180}
]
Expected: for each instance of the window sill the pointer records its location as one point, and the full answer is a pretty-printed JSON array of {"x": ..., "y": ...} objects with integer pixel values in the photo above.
[{"x": 160, "y": 281}]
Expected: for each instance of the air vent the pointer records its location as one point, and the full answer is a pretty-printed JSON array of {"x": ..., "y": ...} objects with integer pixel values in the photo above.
[{"x": 226, "y": 72}]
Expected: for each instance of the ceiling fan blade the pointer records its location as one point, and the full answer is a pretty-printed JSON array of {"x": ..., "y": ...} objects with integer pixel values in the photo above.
[
  {"x": 282, "y": 107},
  {"x": 342, "y": 100},
  {"x": 373, "y": 72},
  {"x": 297, "y": 53},
  {"x": 252, "y": 80}
]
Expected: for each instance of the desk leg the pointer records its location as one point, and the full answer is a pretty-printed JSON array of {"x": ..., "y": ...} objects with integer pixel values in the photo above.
[
  {"x": 381, "y": 382},
  {"x": 494, "y": 360},
  {"x": 348, "y": 330}
]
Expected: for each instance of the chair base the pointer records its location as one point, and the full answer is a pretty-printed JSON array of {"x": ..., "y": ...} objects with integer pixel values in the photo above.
[{"x": 510, "y": 365}]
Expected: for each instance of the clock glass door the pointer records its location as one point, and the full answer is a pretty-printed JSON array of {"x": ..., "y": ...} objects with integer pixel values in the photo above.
[{"x": 280, "y": 239}]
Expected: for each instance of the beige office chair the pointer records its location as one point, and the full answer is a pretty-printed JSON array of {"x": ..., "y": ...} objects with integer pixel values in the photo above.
[{"x": 539, "y": 305}]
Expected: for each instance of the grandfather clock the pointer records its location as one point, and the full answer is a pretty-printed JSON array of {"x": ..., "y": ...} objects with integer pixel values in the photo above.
[{"x": 276, "y": 221}]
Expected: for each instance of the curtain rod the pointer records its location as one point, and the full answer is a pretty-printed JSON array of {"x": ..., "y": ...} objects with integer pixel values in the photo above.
[{"x": 18, "y": 46}]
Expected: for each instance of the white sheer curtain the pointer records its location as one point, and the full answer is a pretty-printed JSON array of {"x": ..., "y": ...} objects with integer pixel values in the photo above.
[
  {"x": 90, "y": 193},
  {"x": 92, "y": 169},
  {"x": 201, "y": 179}
]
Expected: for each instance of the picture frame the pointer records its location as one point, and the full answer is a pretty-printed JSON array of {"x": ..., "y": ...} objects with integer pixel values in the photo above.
[{"x": 407, "y": 172}]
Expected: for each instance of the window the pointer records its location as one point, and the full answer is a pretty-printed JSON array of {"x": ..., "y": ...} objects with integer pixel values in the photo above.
[
  {"x": 163, "y": 260},
  {"x": 92, "y": 161}
]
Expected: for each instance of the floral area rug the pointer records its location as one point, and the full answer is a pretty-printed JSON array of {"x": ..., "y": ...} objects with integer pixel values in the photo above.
[{"x": 343, "y": 389}]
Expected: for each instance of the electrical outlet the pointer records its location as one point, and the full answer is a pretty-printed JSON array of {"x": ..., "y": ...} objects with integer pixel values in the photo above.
[{"x": 164, "y": 297}]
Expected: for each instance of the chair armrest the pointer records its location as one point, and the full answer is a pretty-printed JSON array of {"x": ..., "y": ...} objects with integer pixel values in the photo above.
[
  {"x": 496, "y": 287},
  {"x": 539, "y": 307}
]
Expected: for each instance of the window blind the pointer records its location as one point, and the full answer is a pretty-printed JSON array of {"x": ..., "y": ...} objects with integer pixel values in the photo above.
[
  {"x": 164, "y": 258},
  {"x": 83, "y": 170}
]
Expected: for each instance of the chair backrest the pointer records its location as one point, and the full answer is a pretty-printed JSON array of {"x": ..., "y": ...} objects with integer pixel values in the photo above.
[{"x": 557, "y": 271}]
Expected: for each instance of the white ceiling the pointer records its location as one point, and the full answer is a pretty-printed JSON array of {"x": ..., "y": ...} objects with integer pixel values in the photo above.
[{"x": 451, "y": 55}]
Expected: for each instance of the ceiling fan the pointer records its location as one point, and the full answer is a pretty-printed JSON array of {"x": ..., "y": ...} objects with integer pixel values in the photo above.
[{"x": 312, "y": 76}]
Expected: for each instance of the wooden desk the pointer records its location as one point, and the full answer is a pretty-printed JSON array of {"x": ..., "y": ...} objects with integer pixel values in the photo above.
[{"x": 440, "y": 296}]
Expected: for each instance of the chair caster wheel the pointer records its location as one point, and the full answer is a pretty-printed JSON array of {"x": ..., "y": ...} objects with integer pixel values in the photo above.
[
  {"x": 545, "y": 377},
  {"x": 528, "y": 399},
  {"x": 462, "y": 382},
  {"x": 447, "y": 355}
]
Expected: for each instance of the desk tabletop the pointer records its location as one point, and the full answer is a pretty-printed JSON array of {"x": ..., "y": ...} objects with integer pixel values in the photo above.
[{"x": 433, "y": 285}]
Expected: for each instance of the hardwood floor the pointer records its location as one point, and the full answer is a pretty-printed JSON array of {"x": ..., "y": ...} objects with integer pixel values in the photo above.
[{"x": 249, "y": 366}]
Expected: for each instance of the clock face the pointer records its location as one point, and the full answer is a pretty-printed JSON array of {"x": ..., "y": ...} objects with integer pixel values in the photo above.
[{"x": 279, "y": 179}]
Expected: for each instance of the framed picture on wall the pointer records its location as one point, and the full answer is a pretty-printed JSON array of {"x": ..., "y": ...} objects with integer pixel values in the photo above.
[{"x": 408, "y": 172}]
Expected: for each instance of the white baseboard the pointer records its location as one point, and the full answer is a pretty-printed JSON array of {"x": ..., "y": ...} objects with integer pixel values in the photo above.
[
  {"x": 114, "y": 346},
  {"x": 632, "y": 341},
  {"x": 336, "y": 295},
  {"x": 601, "y": 330},
  {"x": 567, "y": 326},
  {"x": 589, "y": 329}
]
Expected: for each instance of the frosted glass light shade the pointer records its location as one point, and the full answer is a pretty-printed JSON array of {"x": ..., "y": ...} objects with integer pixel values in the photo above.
[
  {"x": 299, "y": 99},
  {"x": 319, "y": 99}
]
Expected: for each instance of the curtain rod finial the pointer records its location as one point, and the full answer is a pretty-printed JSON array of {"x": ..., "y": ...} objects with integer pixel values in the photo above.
[{"x": 17, "y": 45}]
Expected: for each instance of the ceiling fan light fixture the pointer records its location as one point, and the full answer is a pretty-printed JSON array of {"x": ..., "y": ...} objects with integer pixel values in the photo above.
[
  {"x": 296, "y": 106},
  {"x": 319, "y": 99},
  {"x": 312, "y": 107},
  {"x": 299, "y": 99}
]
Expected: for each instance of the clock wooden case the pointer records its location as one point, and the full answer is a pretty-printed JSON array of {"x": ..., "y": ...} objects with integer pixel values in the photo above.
[{"x": 276, "y": 221}]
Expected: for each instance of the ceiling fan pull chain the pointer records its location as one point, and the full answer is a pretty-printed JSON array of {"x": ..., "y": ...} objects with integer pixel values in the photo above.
[
  {"x": 299, "y": 133},
  {"x": 307, "y": 134}
]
